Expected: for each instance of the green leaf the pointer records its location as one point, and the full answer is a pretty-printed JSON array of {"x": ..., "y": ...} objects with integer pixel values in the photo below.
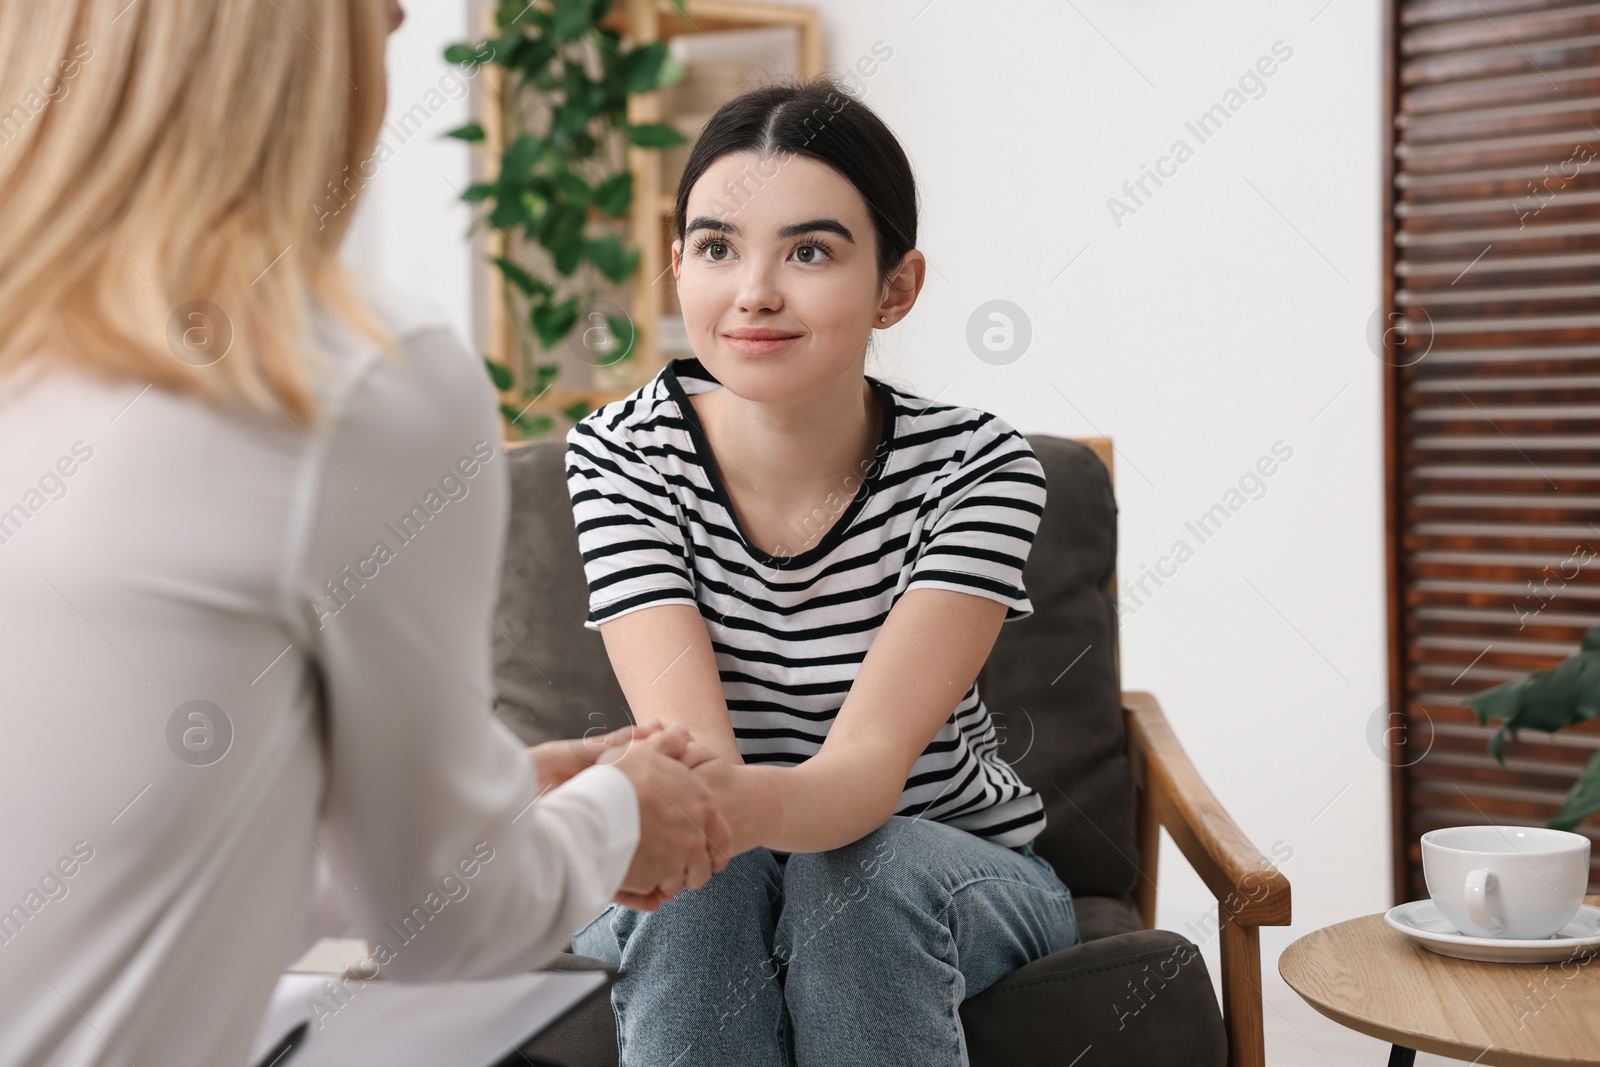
[
  {"x": 576, "y": 412},
  {"x": 521, "y": 279},
  {"x": 512, "y": 12},
  {"x": 472, "y": 133},
  {"x": 571, "y": 19},
  {"x": 615, "y": 193},
  {"x": 508, "y": 213},
  {"x": 460, "y": 54},
  {"x": 648, "y": 67},
  {"x": 1552, "y": 694},
  {"x": 498, "y": 374},
  {"x": 544, "y": 376},
  {"x": 552, "y": 322},
  {"x": 574, "y": 188},
  {"x": 1583, "y": 800},
  {"x": 561, "y": 233},
  {"x": 654, "y": 135},
  {"x": 568, "y": 255},
  {"x": 533, "y": 210},
  {"x": 1501, "y": 702},
  {"x": 533, "y": 57},
  {"x": 479, "y": 191},
  {"x": 623, "y": 336},
  {"x": 1546, "y": 700},
  {"x": 527, "y": 424},
  {"x": 505, "y": 47},
  {"x": 518, "y": 160},
  {"x": 569, "y": 119},
  {"x": 1497, "y": 745},
  {"x": 611, "y": 259},
  {"x": 1587, "y": 704}
]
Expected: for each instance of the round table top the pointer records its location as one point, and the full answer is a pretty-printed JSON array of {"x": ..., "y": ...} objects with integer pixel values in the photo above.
[{"x": 1375, "y": 980}]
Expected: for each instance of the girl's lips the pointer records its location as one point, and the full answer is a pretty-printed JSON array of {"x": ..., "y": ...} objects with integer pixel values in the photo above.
[{"x": 759, "y": 342}]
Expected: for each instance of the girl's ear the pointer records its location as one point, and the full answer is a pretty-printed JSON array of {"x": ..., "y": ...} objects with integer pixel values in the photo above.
[
  {"x": 677, "y": 257},
  {"x": 900, "y": 289}
]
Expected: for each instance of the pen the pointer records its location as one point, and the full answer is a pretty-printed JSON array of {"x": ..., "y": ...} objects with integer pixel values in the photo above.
[{"x": 280, "y": 1052}]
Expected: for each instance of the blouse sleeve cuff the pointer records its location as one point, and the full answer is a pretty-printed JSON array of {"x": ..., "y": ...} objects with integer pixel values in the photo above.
[{"x": 608, "y": 791}]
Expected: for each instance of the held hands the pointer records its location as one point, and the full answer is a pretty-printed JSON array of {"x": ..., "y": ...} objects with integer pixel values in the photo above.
[
  {"x": 556, "y": 761},
  {"x": 697, "y": 809},
  {"x": 747, "y": 807},
  {"x": 683, "y": 837},
  {"x": 688, "y": 796}
]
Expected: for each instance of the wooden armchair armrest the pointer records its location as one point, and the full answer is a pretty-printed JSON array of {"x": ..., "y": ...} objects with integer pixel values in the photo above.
[
  {"x": 1250, "y": 890},
  {"x": 1250, "y": 886}
]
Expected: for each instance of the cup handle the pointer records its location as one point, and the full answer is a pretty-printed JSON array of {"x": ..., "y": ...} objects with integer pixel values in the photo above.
[{"x": 1479, "y": 883}]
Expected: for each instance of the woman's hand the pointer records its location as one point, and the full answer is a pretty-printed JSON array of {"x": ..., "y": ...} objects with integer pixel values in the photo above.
[
  {"x": 683, "y": 838},
  {"x": 697, "y": 756},
  {"x": 554, "y": 762}
]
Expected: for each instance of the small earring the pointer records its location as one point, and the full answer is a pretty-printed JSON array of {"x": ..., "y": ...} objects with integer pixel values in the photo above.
[{"x": 883, "y": 318}]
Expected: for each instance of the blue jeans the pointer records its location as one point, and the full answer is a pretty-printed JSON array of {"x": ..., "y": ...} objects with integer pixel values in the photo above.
[{"x": 861, "y": 955}]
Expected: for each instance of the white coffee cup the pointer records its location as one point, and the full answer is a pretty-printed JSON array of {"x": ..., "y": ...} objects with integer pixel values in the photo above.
[{"x": 1521, "y": 882}]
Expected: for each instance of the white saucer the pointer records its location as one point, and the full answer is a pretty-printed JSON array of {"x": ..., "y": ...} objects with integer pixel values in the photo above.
[{"x": 1421, "y": 921}]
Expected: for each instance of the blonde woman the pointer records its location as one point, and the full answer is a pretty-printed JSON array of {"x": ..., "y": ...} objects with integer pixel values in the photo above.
[{"x": 251, "y": 521}]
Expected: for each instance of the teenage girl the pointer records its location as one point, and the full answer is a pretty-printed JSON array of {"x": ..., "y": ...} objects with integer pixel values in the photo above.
[{"x": 807, "y": 567}]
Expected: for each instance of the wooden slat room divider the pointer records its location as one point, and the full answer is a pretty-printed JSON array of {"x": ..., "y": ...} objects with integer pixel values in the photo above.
[{"x": 1490, "y": 332}]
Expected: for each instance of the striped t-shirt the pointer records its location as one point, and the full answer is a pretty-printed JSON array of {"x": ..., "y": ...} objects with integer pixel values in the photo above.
[{"x": 951, "y": 500}]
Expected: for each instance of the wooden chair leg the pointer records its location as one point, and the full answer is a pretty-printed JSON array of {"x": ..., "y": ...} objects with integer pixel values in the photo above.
[{"x": 1241, "y": 994}]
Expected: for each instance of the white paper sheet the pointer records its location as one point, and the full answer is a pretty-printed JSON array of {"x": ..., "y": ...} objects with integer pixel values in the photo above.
[{"x": 427, "y": 1024}]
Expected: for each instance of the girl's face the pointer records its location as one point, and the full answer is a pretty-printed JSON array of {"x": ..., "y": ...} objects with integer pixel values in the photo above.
[{"x": 778, "y": 275}]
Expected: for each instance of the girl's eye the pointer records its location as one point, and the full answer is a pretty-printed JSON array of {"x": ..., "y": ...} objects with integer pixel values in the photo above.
[
  {"x": 812, "y": 252},
  {"x": 712, "y": 249}
]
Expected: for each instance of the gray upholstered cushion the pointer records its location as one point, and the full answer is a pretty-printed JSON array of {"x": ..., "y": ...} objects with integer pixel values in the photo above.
[
  {"x": 1137, "y": 998},
  {"x": 552, "y": 677},
  {"x": 1052, "y": 678}
]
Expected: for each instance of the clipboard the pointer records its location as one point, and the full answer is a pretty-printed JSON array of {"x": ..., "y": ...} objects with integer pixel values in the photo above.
[
  {"x": 526, "y": 1056},
  {"x": 453, "y": 1023}
]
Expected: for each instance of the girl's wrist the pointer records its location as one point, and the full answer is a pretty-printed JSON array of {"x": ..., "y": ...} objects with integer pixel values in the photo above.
[{"x": 760, "y": 801}]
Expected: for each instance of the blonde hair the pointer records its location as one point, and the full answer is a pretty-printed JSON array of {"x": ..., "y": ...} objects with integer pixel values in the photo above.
[{"x": 159, "y": 153}]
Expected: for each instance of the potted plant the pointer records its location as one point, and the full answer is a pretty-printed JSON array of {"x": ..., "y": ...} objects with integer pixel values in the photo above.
[
  {"x": 1547, "y": 700},
  {"x": 559, "y": 183}
]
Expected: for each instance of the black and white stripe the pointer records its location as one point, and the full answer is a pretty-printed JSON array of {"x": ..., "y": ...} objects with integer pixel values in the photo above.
[{"x": 951, "y": 501}]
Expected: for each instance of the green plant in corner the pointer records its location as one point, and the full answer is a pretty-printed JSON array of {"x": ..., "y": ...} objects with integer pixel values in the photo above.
[
  {"x": 1547, "y": 700},
  {"x": 560, "y": 182}
]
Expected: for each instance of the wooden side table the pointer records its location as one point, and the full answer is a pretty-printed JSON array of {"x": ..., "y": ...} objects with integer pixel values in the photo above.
[{"x": 1375, "y": 980}]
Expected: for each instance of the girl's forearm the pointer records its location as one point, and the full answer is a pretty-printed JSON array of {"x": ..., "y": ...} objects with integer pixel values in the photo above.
[{"x": 828, "y": 801}]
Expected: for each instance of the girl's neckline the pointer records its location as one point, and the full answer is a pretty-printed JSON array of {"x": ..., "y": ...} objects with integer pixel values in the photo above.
[{"x": 692, "y": 368}]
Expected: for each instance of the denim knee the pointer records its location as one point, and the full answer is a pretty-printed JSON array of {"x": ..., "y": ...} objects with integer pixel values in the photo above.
[
  {"x": 900, "y": 859},
  {"x": 869, "y": 885},
  {"x": 750, "y": 874}
]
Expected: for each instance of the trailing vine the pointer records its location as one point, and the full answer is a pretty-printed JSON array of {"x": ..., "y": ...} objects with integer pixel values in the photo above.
[{"x": 560, "y": 183}]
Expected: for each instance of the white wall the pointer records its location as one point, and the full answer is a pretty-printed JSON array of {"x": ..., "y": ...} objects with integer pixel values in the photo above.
[
  {"x": 1225, "y": 314},
  {"x": 410, "y": 225}
]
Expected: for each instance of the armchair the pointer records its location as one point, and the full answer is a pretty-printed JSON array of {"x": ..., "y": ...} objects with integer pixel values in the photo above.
[{"x": 1106, "y": 762}]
